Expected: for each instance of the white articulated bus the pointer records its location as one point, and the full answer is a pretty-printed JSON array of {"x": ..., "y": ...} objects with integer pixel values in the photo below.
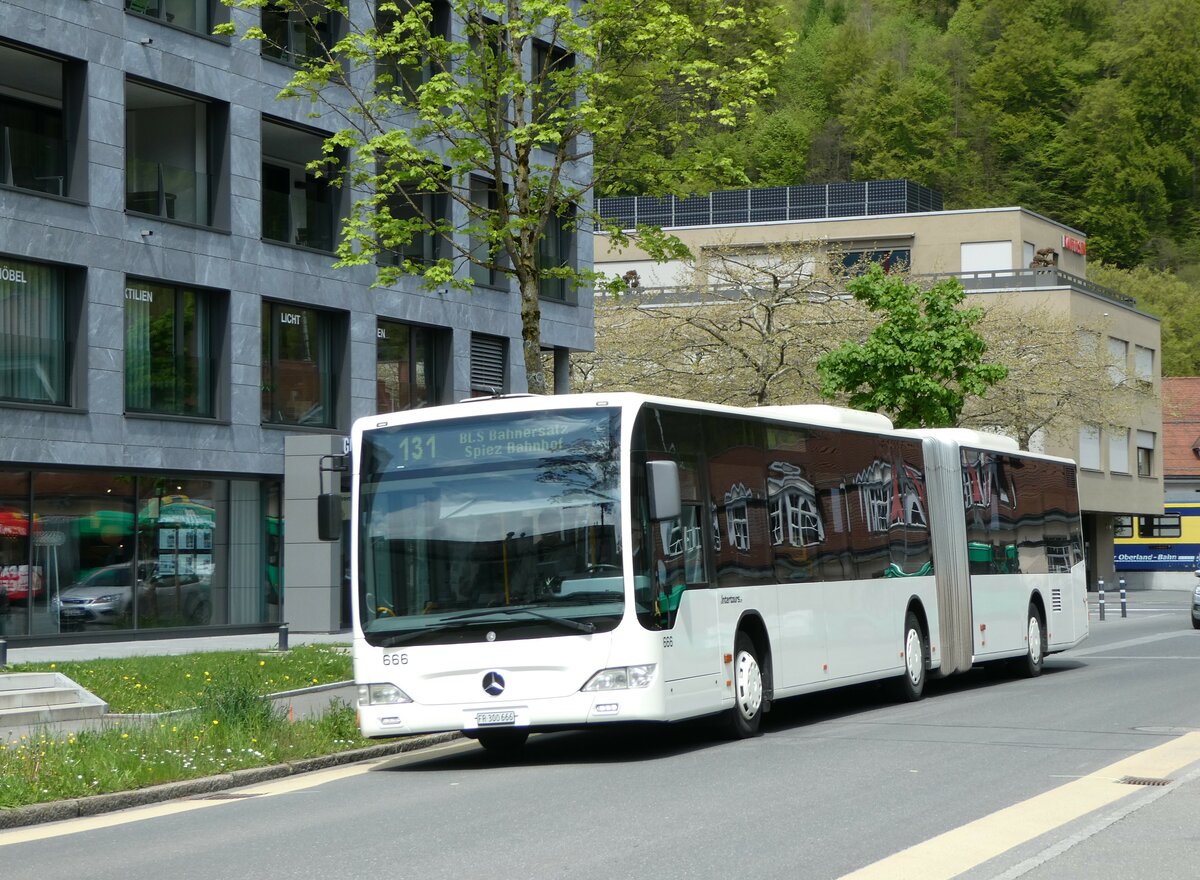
[{"x": 533, "y": 563}]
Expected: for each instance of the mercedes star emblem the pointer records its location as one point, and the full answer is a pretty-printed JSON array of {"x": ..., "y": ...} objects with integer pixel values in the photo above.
[{"x": 493, "y": 683}]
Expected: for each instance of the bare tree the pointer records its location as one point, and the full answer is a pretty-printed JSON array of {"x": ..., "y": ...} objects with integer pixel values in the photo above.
[
  {"x": 1060, "y": 375},
  {"x": 746, "y": 331}
]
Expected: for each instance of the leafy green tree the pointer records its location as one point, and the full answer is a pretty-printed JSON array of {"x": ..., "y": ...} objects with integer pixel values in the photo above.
[
  {"x": 922, "y": 360},
  {"x": 1118, "y": 176},
  {"x": 513, "y": 116}
]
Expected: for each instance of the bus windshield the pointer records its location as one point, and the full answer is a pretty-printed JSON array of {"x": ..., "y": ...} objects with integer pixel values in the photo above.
[{"x": 497, "y": 527}]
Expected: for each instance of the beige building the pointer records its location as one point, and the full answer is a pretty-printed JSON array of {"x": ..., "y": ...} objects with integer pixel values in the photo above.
[{"x": 1010, "y": 252}]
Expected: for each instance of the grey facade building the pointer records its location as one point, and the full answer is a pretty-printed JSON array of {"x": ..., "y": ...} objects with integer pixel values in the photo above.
[{"x": 171, "y": 323}]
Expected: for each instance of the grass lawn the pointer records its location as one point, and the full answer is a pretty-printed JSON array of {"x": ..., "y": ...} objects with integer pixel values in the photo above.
[{"x": 228, "y": 726}]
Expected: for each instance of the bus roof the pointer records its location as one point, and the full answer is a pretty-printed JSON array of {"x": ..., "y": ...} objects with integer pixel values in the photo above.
[{"x": 822, "y": 415}]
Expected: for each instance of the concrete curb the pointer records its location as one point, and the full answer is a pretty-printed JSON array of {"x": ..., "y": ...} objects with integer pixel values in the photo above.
[{"x": 75, "y": 808}]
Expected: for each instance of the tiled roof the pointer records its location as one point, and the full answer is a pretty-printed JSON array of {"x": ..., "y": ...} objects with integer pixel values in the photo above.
[{"x": 1181, "y": 426}]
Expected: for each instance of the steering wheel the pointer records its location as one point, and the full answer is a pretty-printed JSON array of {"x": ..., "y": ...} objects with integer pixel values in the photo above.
[{"x": 602, "y": 566}]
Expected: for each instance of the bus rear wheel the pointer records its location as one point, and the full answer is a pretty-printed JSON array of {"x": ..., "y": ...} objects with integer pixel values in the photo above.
[
  {"x": 745, "y": 718},
  {"x": 502, "y": 741},
  {"x": 910, "y": 686},
  {"x": 1030, "y": 665}
]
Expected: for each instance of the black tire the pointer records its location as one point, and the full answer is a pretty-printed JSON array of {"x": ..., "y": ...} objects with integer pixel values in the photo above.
[
  {"x": 1030, "y": 666},
  {"x": 910, "y": 685},
  {"x": 744, "y": 720},
  {"x": 504, "y": 742},
  {"x": 1195, "y": 623}
]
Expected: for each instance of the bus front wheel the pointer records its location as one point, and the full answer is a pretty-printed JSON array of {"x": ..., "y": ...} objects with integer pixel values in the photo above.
[
  {"x": 910, "y": 686},
  {"x": 745, "y": 718},
  {"x": 1035, "y": 653}
]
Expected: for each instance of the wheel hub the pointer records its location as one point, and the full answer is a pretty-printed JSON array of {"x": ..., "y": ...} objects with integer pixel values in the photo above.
[
  {"x": 914, "y": 656},
  {"x": 748, "y": 682}
]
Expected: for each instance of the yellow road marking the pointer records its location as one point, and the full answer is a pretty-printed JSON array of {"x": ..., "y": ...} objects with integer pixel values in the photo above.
[
  {"x": 284, "y": 785},
  {"x": 961, "y": 849}
]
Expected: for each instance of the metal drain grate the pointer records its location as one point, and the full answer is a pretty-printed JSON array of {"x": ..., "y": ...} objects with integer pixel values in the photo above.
[{"x": 1142, "y": 780}]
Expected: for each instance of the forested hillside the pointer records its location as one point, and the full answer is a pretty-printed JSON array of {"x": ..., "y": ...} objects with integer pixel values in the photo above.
[{"x": 1085, "y": 110}]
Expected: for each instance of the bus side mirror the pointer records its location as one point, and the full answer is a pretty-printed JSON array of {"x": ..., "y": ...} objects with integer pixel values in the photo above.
[
  {"x": 329, "y": 516},
  {"x": 662, "y": 479}
]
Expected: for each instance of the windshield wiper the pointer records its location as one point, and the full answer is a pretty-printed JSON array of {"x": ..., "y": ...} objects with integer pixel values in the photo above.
[
  {"x": 525, "y": 609},
  {"x": 413, "y": 634}
]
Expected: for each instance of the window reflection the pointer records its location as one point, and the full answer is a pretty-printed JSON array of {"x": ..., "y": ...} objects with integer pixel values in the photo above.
[
  {"x": 176, "y": 525},
  {"x": 14, "y": 552},
  {"x": 106, "y": 551}
]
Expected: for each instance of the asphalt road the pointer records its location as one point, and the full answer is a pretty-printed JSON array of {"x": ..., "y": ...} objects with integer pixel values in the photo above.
[{"x": 1089, "y": 771}]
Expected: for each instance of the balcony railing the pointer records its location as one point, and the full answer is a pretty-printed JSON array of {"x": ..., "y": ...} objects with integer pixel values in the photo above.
[
  {"x": 972, "y": 282},
  {"x": 167, "y": 191},
  {"x": 33, "y": 161},
  {"x": 1023, "y": 279},
  {"x": 298, "y": 219}
]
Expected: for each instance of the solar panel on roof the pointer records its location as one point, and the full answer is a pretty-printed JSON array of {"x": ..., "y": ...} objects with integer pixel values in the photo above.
[
  {"x": 802, "y": 202},
  {"x": 768, "y": 204},
  {"x": 731, "y": 206}
]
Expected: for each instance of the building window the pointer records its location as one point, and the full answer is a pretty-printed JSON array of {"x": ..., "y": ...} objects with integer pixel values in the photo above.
[
  {"x": 299, "y": 30},
  {"x": 1118, "y": 450},
  {"x": 423, "y": 247},
  {"x": 199, "y": 16},
  {"x": 169, "y": 366},
  {"x": 41, "y": 104},
  {"x": 410, "y": 77},
  {"x": 553, "y": 75},
  {"x": 298, "y": 207},
  {"x": 299, "y": 375},
  {"x": 1143, "y": 364},
  {"x": 157, "y": 545},
  {"x": 1118, "y": 357},
  {"x": 1145, "y": 453},
  {"x": 894, "y": 260},
  {"x": 1089, "y": 447},
  {"x": 38, "y": 323},
  {"x": 173, "y": 154},
  {"x": 985, "y": 256},
  {"x": 556, "y": 249},
  {"x": 487, "y": 261},
  {"x": 405, "y": 367}
]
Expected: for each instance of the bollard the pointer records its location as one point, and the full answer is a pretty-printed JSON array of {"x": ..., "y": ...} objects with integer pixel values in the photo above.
[
  {"x": 1101, "y": 598},
  {"x": 283, "y": 637},
  {"x": 1122, "y": 582},
  {"x": 3, "y": 653}
]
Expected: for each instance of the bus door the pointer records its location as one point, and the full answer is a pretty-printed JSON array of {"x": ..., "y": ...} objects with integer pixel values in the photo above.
[
  {"x": 669, "y": 577},
  {"x": 687, "y": 612}
]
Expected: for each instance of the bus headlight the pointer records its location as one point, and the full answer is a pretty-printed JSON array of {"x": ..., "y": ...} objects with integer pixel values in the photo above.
[
  {"x": 381, "y": 694},
  {"x": 621, "y": 678}
]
